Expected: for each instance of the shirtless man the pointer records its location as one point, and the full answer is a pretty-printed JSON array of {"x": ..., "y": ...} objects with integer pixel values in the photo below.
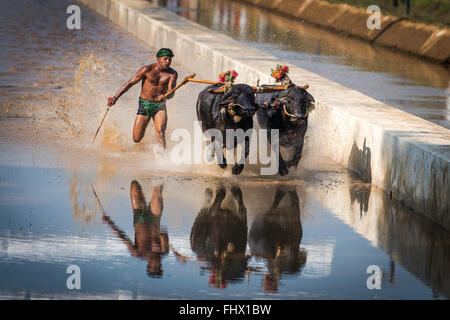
[{"x": 157, "y": 79}]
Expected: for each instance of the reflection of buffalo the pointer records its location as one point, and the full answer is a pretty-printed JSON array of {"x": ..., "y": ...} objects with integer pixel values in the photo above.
[
  {"x": 219, "y": 236},
  {"x": 231, "y": 110},
  {"x": 276, "y": 237},
  {"x": 286, "y": 111}
]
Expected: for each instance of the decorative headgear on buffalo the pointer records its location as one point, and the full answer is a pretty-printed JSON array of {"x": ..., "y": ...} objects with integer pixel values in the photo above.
[
  {"x": 228, "y": 78},
  {"x": 164, "y": 52},
  {"x": 280, "y": 74}
]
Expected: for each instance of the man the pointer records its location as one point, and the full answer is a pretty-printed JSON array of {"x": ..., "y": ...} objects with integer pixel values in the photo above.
[{"x": 157, "y": 79}]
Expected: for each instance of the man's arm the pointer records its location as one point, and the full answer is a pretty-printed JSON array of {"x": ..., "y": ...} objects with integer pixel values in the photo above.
[
  {"x": 139, "y": 75},
  {"x": 122, "y": 235}
]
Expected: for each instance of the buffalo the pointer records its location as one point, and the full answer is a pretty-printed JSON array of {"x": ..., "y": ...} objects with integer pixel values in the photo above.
[
  {"x": 287, "y": 111},
  {"x": 233, "y": 109}
]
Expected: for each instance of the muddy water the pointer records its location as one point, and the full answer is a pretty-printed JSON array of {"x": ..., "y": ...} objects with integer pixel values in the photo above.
[
  {"x": 151, "y": 225},
  {"x": 411, "y": 84},
  {"x": 311, "y": 237}
]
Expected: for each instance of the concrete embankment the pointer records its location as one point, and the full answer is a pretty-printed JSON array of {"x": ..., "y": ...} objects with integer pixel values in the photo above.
[
  {"x": 417, "y": 38},
  {"x": 404, "y": 155}
]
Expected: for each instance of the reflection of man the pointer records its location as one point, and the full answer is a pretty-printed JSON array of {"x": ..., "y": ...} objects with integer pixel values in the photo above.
[
  {"x": 276, "y": 237},
  {"x": 150, "y": 243},
  {"x": 219, "y": 236}
]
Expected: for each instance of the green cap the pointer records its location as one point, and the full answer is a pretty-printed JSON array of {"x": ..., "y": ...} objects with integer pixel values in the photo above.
[{"x": 164, "y": 52}]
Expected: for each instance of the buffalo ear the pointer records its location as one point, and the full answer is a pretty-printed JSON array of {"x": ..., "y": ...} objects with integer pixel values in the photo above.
[
  {"x": 306, "y": 86},
  {"x": 310, "y": 97}
]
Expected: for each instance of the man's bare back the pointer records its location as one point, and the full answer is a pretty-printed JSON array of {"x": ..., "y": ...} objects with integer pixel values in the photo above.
[{"x": 157, "y": 79}]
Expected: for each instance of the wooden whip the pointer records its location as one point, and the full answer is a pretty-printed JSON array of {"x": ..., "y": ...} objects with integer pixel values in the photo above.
[{"x": 103, "y": 119}]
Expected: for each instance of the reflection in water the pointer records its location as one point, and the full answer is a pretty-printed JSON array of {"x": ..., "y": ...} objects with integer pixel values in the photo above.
[
  {"x": 219, "y": 236},
  {"x": 150, "y": 242},
  {"x": 276, "y": 236},
  {"x": 411, "y": 240},
  {"x": 360, "y": 194},
  {"x": 416, "y": 244},
  {"x": 290, "y": 240},
  {"x": 412, "y": 84}
]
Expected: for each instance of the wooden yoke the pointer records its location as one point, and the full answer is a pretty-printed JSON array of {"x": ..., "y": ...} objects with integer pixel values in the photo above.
[
  {"x": 185, "y": 80},
  {"x": 266, "y": 89},
  {"x": 259, "y": 89},
  {"x": 203, "y": 81}
]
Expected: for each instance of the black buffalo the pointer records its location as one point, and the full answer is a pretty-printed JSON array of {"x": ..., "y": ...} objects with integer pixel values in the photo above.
[
  {"x": 231, "y": 110},
  {"x": 286, "y": 111}
]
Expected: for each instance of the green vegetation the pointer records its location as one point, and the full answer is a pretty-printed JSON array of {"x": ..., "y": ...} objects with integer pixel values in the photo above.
[{"x": 426, "y": 11}]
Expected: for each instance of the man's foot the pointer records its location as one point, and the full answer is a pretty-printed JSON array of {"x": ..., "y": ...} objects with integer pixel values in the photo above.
[{"x": 159, "y": 151}]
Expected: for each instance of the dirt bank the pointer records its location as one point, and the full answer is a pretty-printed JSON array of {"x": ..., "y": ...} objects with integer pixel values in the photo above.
[{"x": 416, "y": 38}]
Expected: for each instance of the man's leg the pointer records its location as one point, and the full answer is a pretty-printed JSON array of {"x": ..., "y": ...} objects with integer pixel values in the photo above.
[
  {"x": 136, "y": 195},
  {"x": 140, "y": 124},
  {"x": 160, "y": 121},
  {"x": 156, "y": 204}
]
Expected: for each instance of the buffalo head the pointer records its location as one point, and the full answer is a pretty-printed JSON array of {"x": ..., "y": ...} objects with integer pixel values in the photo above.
[
  {"x": 239, "y": 100},
  {"x": 295, "y": 103}
]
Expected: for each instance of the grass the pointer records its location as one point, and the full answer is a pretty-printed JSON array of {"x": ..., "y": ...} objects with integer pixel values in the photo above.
[{"x": 435, "y": 12}]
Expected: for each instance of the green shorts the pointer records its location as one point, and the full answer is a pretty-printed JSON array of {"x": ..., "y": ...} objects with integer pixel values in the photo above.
[
  {"x": 145, "y": 216},
  {"x": 150, "y": 108}
]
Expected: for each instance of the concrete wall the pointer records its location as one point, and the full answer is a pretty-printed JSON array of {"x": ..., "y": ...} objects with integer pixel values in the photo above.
[
  {"x": 404, "y": 155},
  {"x": 417, "y": 38}
]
